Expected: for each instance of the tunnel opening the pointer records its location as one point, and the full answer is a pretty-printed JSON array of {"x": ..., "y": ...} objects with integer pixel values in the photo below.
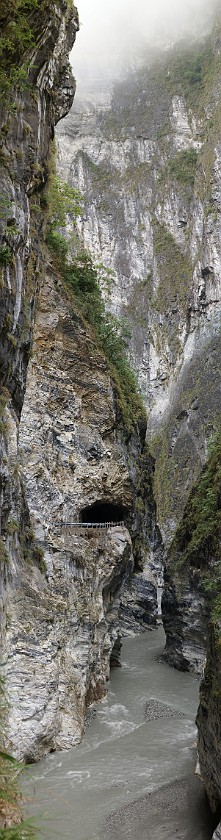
[{"x": 102, "y": 512}]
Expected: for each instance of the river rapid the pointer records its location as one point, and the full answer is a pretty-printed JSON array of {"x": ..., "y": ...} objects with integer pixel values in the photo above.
[{"x": 133, "y": 751}]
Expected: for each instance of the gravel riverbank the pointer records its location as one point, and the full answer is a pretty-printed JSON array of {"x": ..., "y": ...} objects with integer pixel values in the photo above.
[{"x": 178, "y": 811}]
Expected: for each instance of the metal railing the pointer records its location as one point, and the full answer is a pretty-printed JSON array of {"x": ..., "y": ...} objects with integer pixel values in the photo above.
[{"x": 84, "y": 526}]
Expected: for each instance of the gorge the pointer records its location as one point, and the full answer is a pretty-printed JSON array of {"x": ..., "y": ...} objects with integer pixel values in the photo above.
[
  {"x": 76, "y": 442},
  {"x": 133, "y": 773}
]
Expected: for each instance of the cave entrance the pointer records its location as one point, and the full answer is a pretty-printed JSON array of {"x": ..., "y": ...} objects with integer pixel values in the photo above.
[{"x": 102, "y": 512}]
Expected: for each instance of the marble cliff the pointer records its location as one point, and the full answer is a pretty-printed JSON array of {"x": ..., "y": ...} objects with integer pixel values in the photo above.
[
  {"x": 147, "y": 158},
  {"x": 146, "y": 155},
  {"x": 65, "y": 450}
]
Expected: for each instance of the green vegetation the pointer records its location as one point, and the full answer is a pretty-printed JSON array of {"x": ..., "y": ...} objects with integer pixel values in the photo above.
[
  {"x": 137, "y": 176},
  {"x": 62, "y": 201},
  {"x": 144, "y": 502},
  {"x": 12, "y": 526},
  {"x": 5, "y": 205},
  {"x": 183, "y": 167},
  {"x": 59, "y": 201},
  {"x": 175, "y": 467},
  {"x": 33, "y": 553},
  {"x": 198, "y": 534},
  {"x": 10, "y": 769},
  {"x": 194, "y": 73},
  {"x": 102, "y": 176},
  {"x": 19, "y": 28},
  {"x": 17, "y": 37},
  {"x": 160, "y": 449},
  {"x": 83, "y": 280},
  {"x": 207, "y": 159},
  {"x": 112, "y": 336},
  {"x": 5, "y": 255},
  {"x": 22, "y": 831},
  {"x": 38, "y": 557},
  {"x": 144, "y": 98},
  {"x": 10, "y": 801},
  {"x": 175, "y": 273},
  {"x": 197, "y": 541},
  {"x": 191, "y": 70},
  {"x": 3, "y": 554},
  {"x": 4, "y": 397},
  {"x": 10, "y": 798}
]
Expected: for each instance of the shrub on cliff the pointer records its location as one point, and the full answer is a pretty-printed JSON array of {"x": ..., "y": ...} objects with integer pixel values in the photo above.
[
  {"x": 12, "y": 828},
  {"x": 197, "y": 543},
  {"x": 199, "y": 533},
  {"x": 83, "y": 279},
  {"x": 20, "y": 24},
  {"x": 63, "y": 202},
  {"x": 16, "y": 39},
  {"x": 111, "y": 334}
]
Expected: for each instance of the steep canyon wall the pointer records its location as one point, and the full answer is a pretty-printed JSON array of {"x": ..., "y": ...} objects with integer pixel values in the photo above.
[
  {"x": 147, "y": 160},
  {"x": 147, "y": 157},
  {"x": 64, "y": 445}
]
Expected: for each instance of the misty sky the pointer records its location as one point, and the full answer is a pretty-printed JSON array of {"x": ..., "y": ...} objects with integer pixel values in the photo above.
[{"x": 112, "y": 31}]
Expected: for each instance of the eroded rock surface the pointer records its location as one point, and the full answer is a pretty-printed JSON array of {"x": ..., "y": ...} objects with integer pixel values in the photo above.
[
  {"x": 217, "y": 833},
  {"x": 63, "y": 597},
  {"x": 26, "y": 130},
  {"x": 185, "y": 612},
  {"x": 148, "y": 161},
  {"x": 209, "y": 722},
  {"x": 60, "y": 591}
]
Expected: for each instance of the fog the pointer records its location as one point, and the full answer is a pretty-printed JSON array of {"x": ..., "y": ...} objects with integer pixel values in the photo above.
[{"x": 113, "y": 33}]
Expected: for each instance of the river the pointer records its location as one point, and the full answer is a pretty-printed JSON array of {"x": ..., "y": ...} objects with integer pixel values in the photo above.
[{"x": 134, "y": 751}]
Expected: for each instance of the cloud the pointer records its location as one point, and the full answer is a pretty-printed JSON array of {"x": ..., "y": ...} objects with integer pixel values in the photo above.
[{"x": 113, "y": 32}]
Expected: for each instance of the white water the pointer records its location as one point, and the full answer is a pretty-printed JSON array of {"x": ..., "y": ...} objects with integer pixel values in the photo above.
[{"x": 121, "y": 757}]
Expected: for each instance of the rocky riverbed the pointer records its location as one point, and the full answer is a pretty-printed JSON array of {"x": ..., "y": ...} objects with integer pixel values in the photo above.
[{"x": 133, "y": 774}]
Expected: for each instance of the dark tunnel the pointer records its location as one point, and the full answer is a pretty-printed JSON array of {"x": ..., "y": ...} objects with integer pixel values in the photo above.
[{"x": 103, "y": 512}]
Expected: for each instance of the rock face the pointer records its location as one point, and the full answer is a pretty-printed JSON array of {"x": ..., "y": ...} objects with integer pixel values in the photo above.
[
  {"x": 26, "y": 131},
  {"x": 209, "y": 724},
  {"x": 25, "y": 140},
  {"x": 63, "y": 598},
  {"x": 25, "y": 134},
  {"x": 185, "y": 612},
  {"x": 217, "y": 833},
  {"x": 60, "y": 590},
  {"x": 192, "y": 613},
  {"x": 209, "y": 721},
  {"x": 192, "y": 578},
  {"x": 72, "y": 458},
  {"x": 147, "y": 161},
  {"x": 138, "y": 600},
  {"x": 149, "y": 167}
]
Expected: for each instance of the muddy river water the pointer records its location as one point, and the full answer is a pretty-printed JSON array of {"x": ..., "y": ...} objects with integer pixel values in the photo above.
[{"x": 132, "y": 778}]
